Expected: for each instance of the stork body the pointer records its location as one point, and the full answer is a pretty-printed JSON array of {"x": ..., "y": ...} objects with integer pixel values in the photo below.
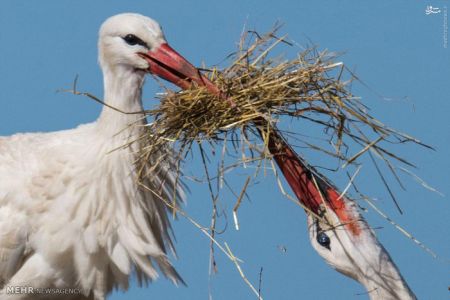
[
  {"x": 71, "y": 213},
  {"x": 79, "y": 221}
]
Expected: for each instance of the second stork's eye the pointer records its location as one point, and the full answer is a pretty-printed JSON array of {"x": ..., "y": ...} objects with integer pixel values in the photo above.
[
  {"x": 132, "y": 40},
  {"x": 323, "y": 240}
]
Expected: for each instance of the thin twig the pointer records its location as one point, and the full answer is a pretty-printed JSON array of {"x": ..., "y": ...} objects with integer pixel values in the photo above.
[
  {"x": 238, "y": 203},
  {"x": 241, "y": 272},
  {"x": 96, "y": 99}
]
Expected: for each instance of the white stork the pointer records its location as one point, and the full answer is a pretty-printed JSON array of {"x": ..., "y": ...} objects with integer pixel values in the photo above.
[
  {"x": 72, "y": 215},
  {"x": 338, "y": 232}
]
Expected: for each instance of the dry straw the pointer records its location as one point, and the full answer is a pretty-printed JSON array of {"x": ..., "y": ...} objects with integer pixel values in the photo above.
[{"x": 262, "y": 89}]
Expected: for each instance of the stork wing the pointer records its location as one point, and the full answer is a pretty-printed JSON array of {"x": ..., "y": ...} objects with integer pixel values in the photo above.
[
  {"x": 13, "y": 237},
  {"x": 14, "y": 203}
]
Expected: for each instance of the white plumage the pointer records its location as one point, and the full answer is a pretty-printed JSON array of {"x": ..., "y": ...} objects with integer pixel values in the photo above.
[{"x": 71, "y": 212}]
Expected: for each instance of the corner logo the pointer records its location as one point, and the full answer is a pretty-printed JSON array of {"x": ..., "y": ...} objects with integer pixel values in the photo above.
[{"x": 432, "y": 10}]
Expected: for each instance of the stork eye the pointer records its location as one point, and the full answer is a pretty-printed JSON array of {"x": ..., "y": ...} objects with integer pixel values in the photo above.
[
  {"x": 323, "y": 240},
  {"x": 132, "y": 40}
]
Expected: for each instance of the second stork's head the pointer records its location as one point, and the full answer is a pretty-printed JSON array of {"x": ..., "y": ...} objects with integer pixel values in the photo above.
[{"x": 352, "y": 248}]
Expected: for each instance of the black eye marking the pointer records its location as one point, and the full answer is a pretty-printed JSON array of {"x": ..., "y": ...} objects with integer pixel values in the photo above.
[
  {"x": 132, "y": 40},
  {"x": 323, "y": 240}
]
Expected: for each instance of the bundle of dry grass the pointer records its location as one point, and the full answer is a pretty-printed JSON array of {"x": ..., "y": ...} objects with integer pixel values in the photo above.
[{"x": 260, "y": 89}]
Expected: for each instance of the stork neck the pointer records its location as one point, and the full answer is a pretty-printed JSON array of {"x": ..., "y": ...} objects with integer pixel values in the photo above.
[
  {"x": 123, "y": 91},
  {"x": 387, "y": 283}
]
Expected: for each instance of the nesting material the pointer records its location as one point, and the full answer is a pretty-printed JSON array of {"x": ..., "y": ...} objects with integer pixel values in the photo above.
[{"x": 262, "y": 89}]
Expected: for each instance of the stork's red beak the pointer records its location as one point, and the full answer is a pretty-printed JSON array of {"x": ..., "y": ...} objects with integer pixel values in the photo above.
[{"x": 166, "y": 63}]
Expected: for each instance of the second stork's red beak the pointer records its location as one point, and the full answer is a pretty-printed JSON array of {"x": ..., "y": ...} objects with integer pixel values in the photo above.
[{"x": 168, "y": 64}]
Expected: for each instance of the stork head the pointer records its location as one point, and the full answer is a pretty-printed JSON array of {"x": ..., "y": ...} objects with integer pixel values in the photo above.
[
  {"x": 357, "y": 253},
  {"x": 338, "y": 244},
  {"x": 137, "y": 43}
]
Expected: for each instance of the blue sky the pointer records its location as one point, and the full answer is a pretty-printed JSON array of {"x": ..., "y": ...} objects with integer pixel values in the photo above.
[{"x": 393, "y": 46}]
